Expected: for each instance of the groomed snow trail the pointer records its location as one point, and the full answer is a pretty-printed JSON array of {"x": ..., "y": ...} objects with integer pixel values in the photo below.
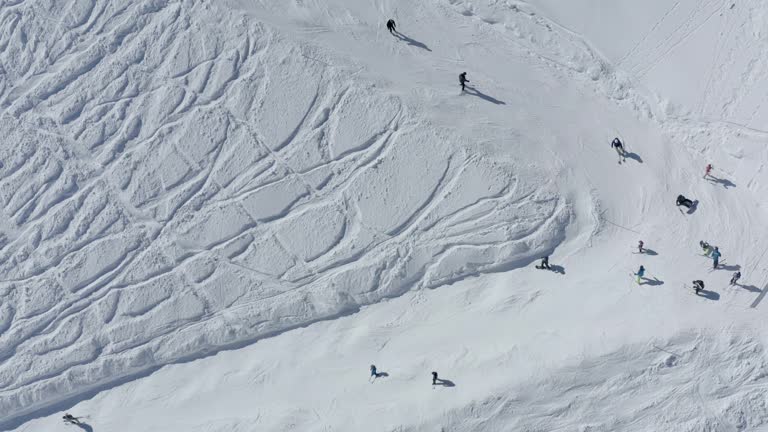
[{"x": 181, "y": 178}]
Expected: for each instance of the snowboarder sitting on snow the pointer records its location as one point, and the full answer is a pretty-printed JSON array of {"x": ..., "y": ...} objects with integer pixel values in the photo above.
[
  {"x": 735, "y": 278},
  {"x": 616, "y": 144},
  {"x": 69, "y": 418},
  {"x": 391, "y": 26},
  {"x": 683, "y": 201},
  {"x": 715, "y": 257},
  {"x": 463, "y": 79},
  {"x": 640, "y": 247},
  {"x": 698, "y": 286},
  {"x": 705, "y": 247},
  {"x": 640, "y": 274}
]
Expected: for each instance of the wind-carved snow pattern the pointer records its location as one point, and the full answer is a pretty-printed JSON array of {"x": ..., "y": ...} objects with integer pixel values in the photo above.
[{"x": 178, "y": 179}]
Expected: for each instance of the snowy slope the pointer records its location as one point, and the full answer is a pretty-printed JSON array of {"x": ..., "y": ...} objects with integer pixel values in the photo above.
[
  {"x": 184, "y": 177},
  {"x": 205, "y": 183}
]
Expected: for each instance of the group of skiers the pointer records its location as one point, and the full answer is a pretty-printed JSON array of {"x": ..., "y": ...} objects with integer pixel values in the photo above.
[
  {"x": 617, "y": 145},
  {"x": 709, "y": 251},
  {"x": 392, "y": 27},
  {"x": 698, "y": 285}
]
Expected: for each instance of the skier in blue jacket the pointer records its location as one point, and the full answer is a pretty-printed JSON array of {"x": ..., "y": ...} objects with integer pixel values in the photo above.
[
  {"x": 715, "y": 257},
  {"x": 640, "y": 273}
]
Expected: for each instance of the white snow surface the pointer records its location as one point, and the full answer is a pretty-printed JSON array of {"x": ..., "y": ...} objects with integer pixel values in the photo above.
[{"x": 215, "y": 215}]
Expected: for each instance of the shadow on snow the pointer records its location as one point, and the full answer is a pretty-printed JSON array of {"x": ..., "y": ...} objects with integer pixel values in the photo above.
[
  {"x": 750, "y": 288},
  {"x": 633, "y": 156},
  {"x": 474, "y": 92},
  {"x": 709, "y": 295},
  {"x": 652, "y": 282},
  {"x": 725, "y": 182},
  {"x": 410, "y": 41}
]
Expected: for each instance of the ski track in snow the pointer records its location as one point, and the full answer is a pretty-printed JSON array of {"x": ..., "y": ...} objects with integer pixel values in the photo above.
[
  {"x": 165, "y": 172},
  {"x": 178, "y": 178}
]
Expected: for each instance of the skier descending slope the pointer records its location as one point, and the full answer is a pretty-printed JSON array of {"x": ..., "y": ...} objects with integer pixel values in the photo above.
[
  {"x": 640, "y": 247},
  {"x": 434, "y": 378},
  {"x": 374, "y": 373},
  {"x": 640, "y": 274},
  {"x": 463, "y": 79},
  {"x": 544, "y": 263},
  {"x": 619, "y": 147},
  {"x": 735, "y": 278},
  {"x": 707, "y": 170},
  {"x": 391, "y": 26}
]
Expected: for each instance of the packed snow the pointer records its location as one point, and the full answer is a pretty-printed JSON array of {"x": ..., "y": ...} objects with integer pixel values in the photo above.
[{"x": 217, "y": 215}]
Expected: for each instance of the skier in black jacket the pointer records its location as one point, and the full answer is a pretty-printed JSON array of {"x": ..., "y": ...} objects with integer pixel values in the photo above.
[
  {"x": 391, "y": 26},
  {"x": 698, "y": 285},
  {"x": 463, "y": 79}
]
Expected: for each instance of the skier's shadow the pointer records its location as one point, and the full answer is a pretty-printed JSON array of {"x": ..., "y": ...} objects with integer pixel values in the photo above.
[
  {"x": 650, "y": 252},
  {"x": 750, "y": 288},
  {"x": 382, "y": 375},
  {"x": 410, "y": 41},
  {"x": 557, "y": 269},
  {"x": 735, "y": 267},
  {"x": 693, "y": 207},
  {"x": 445, "y": 383},
  {"x": 474, "y": 92},
  {"x": 633, "y": 156},
  {"x": 725, "y": 182},
  {"x": 652, "y": 282},
  {"x": 709, "y": 295},
  {"x": 84, "y": 426}
]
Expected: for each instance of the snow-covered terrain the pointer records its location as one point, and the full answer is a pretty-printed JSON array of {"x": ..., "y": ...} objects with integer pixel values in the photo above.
[{"x": 181, "y": 179}]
